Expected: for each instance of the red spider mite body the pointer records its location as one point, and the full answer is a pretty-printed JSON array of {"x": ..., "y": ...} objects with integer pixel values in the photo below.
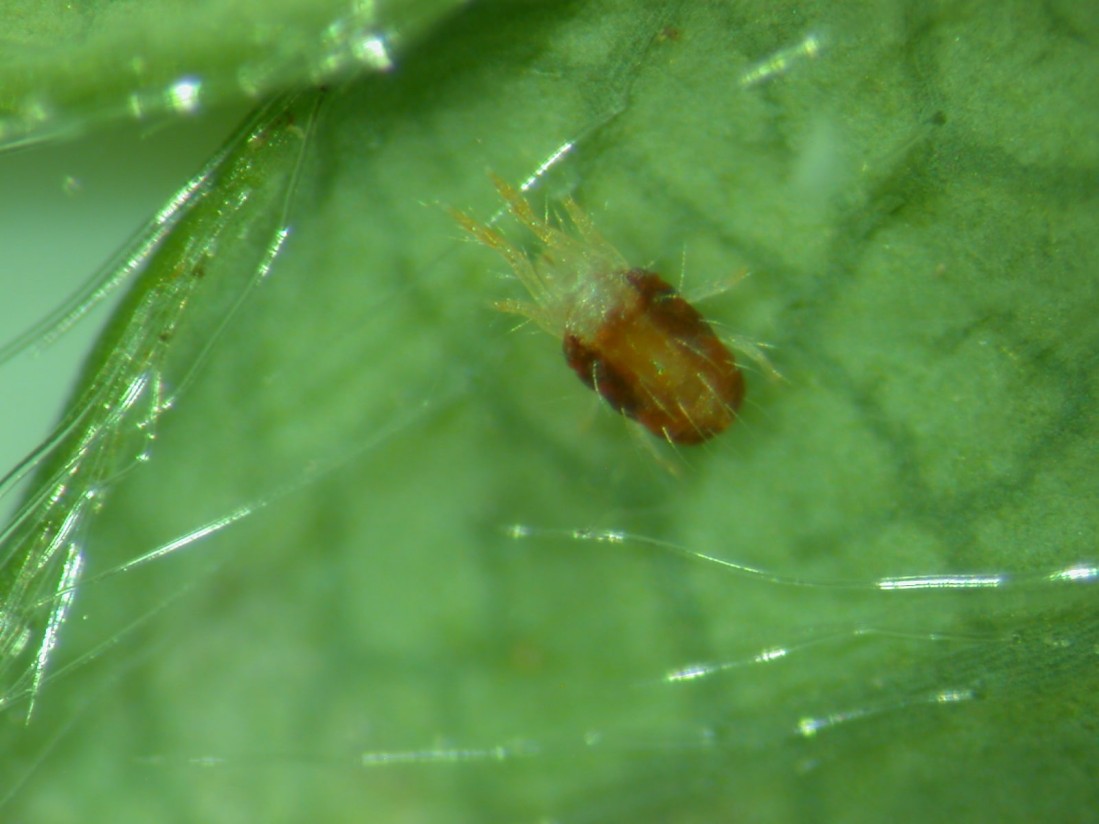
[
  {"x": 628, "y": 334},
  {"x": 656, "y": 360}
]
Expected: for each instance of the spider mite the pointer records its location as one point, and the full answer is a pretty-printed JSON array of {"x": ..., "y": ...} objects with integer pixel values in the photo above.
[{"x": 629, "y": 335}]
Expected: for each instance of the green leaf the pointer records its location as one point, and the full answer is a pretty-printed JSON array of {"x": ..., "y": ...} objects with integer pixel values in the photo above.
[
  {"x": 69, "y": 66},
  {"x": 324, "y": 532}
]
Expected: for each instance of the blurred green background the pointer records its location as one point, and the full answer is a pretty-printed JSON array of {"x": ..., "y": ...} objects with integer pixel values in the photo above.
[{"x": 412, "y": 570}]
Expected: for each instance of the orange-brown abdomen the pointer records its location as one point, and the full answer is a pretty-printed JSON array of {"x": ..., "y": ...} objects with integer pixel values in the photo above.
[{"x": 655, "y": 359}]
